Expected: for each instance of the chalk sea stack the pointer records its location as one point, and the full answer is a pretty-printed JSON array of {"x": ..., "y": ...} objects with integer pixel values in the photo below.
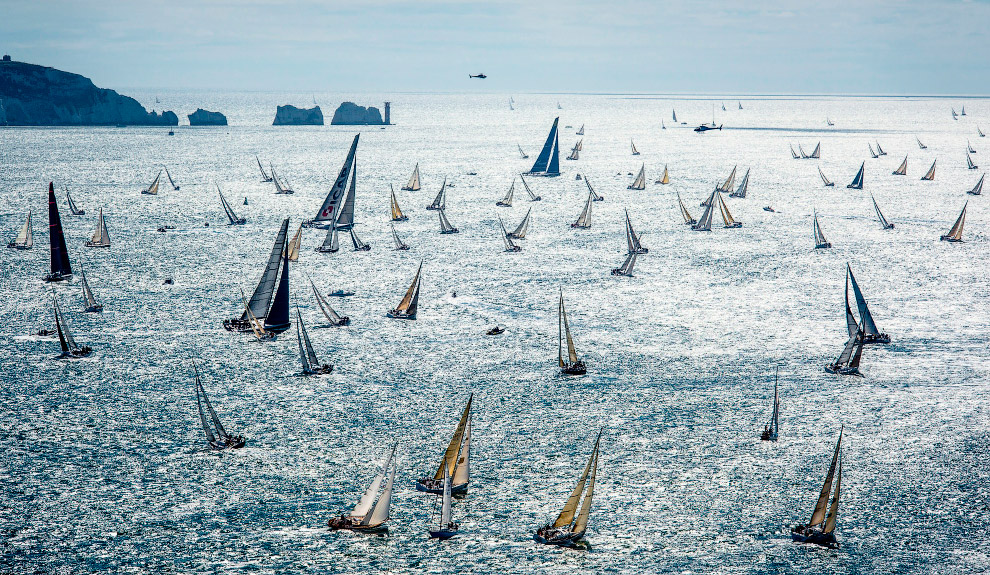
[
  {"x": 203, "y": 117},
  {"x": 293, "y": 116},
  {"x": 32, "y": 95},
  {"x": 350, "y": 114}
]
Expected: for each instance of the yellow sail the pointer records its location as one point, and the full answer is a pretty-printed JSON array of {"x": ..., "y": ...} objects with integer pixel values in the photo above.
[
  {"x": 570, "y": 508},
  {"x": 462, "y": 471},
  {"x": 295, "y": 244},
  {"x": 726, "y": 216},
  {"x": 819, "y": 515},
  {"x": 396, "y": 211},
  {"x": 931, "y": 172},
  {"x": 454, "y": 447},
  {"x": 833, "y": 511},
  {"x": 582, "y": 519},
  {"x": 666, "y": 177},
  {"x": 256, "y": 326},
  {"x": 407, "y": 299}
]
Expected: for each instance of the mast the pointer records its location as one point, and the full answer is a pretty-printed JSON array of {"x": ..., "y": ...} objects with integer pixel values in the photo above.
[
  {"x": 413, "y": 184},
  {"x": 776, "y": 405},
  {"x": 262, "y": 296},
  {"x": 332, "y": 202},
  {"x": 60, "y": 266}
]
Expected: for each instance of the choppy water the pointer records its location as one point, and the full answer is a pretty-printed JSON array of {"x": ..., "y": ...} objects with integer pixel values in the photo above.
[{"x": 102, "y": 466}]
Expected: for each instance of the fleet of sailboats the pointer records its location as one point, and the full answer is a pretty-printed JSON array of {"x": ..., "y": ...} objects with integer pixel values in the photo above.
[
  {"x": 25, "y": 237},
  {"x": 409, "y": 305},
  {"x": 369, "y": 515},
  {"x": 455, "y": 465},
  {"x": 569, "y": 365},
  {"x": 820, "y": 529},
  {"x": 955, "y": 234},
  {"x": 572, "y": 524}
]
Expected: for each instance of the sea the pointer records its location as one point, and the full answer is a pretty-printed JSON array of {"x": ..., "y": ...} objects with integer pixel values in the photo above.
[{"x": 104, "y": 467}]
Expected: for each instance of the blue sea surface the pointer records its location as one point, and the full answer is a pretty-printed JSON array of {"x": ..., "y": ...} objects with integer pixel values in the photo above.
[{"x": 103, "y": 466}]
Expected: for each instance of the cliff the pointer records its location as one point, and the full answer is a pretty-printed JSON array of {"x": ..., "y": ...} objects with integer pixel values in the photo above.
[
  {"x": 32, "y": 95},
  {"x": 203, "y": 117},
  {"x": 350, "y": 114},
  {"x": 293, "y": 116}
]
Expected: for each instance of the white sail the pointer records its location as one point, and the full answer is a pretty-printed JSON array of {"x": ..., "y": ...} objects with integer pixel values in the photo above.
[
  {"x": 520, "y": 232},
  {"x": 25, "y": 237},
  {"x": 445, "y": 504},
  {"x": 153, "y": 188},
  {"x": 705, "y": 222},
  {"x": 977, "y": 190},
  {"x": 507, "y": 200},
  {"x": 584, "y": 220},
  {"x": 368, "y": 499},
  {"x": 295, "y": 244},
  {"x": 100, "y": 239},
  {"x": 955, "y": 234},
  {"x": 640, "y": 182},
  {"x": 399, "y": 244},
  {"x": 930, "y": 175},
  {"x": 445, "y": 225},
  {"x": 817, "y": 153},
  {"x": 330, "y": 243},
  {"x": 581, "y": 523},
  {"x": 381, "y": 512},
  {"x": 462, "y": 471},
  {"x": 581, "y": 131},
  {"x": 820, "y": 241},
  {"x": 743, "y": 187},
  {"x": 88, "y": 298},
  {"x": 729, "y": 182},
  {"x": 413, "y": 184},
  {"x": 627, "y": 266}
]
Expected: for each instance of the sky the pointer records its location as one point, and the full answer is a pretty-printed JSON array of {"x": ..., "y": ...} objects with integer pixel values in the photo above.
[{"x": 619, "y": 46}]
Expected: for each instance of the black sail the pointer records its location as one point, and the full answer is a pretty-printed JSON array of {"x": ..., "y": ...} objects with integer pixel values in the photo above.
[
  {"x": 262, "y": 296},
  {"x": 278, "y": 316},
  {"x": 60, "y": 255}
]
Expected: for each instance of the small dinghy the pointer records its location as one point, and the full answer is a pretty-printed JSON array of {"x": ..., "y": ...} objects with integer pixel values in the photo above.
[
  {"x": 369, "y": 516},
  {"x": 820, "y": 241},
  {"x": 572, "y": 365},
  {"x": 820, "y": 530},
  {"x": 772, "y": 427},
  {"x": 89, "y": 300},
  {"x": 232, "y": 218},
  {"x": 216, "y": 436},
  {"x": 311, "y": 364},
  {"x": 571, "y": 524},
  {"x": 446, "y": 527},
  {"x": 397, "y": 215},
  {"x": 413, "y": 184},
  {"x": 101, "y": 238},
  {"x": 25, "y": 237},
  {"x": 152, "y": 190},
  {"x": 510, "y": 246},
  {"x": 400, "y": 246},
  {"x": 70, "y": 349},
  {"x": 409, "y": 305},
  {"x": 455, "y": 465},
  {"x": 61, "y": 269},
  {"x": 332, "y": 316},
  {"x": 955, "y": 234}
]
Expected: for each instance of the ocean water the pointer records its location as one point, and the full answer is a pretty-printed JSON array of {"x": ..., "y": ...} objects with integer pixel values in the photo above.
[{"x": 102, "y": 461}]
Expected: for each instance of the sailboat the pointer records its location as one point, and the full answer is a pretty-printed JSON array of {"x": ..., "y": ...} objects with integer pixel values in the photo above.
[
  {"x": 640, "y": 182},
  {"x": 332, "y": 316},
  {"x": 848, "y": 361},
  {"x": 369, "y": 516},
  {"x": 829, "y": 122},
  {"x": 575, "y": 152},
  {"x": 729, "y": 183},
  {"x": 902, "y": 169},
  {"x": 880, "y": 151},
  {"x": 456, "y": 460},
  {"x": 955, "y": 116},
  {"x": 152, "y": 190},
  {"x": 626, "y": 269},
  {"x": 572, "y": 365},
  {"x": 743, "y": 187},
  {"x": 567, "y": 529},
  {"x": 684, "y": 213},
  {"x": 817, "y": 152},
  {"x": 662, "y": 126},
  {"x": 584, "y": 220},
  {"x": 866, "y": 326},
  {"x": 673, "y": 114},
  {"x": 101, "y": 238},
  {"x": 446, "y": 527},
  {"x": 506, "y": 202},
  {"x": 635, "y": 152},
  {"x": 70, "y": 349},
  {"x": 522, "y": 154},
  {"x": 25, "y": 237},
  {"x": 969, "y": 162},
  {"x": 963, "y": 111},
  {"x": 216, "y": 436},
  {"x": 61, "y": 269},
  {"x": 231, "y": 216},
  {"x": 726, "y": 216},
  {"x": 281, "y": 184},
  {"x": 413, "y": 184},
  {"x": 804, "y": 156},
  {"x": 264, "y": 176},
  {"x": 548, "y": 162},
  {"x": 92, "y": 306},
  {"x": 969, "y": 148},
  {"x": 580, "y": 132},
  {"x": 532, "y": 197},
  {"x": 820, "y": 241},
  {"x": 977, "y": 190},
  {"x": 72, "y": 205},
  {"x": 872, "y": 153},
  {"x": 307, "y": 355},
  {"x": 262, "y": 306},
  {"x": 254, "y": 324},
  {"x": 740, "y": 105},
  {"x": 632, "y": 238},
  {"x": 595, "y": 196},
  {"x": 558, "y": 106},
  {"x": 665, "y": 179},
  {"x": 826, "y": 181},
  {"x": 440, "y": 201},
  {"x": 883, "y": 221},
  {"x": 399, "y": 244},
  {"x": 331, "y": 244},
  {"x": 170, "y": 180},
  {"x": 980, "y": 132},
  {"x": 820, "y": 530},
  {"x": 445, "y": 225},
  {"x": 705, "y": 223},
  {"x": 295, "y": 244},
  {"x": 520, "y": 232},
  {"x": 510, "y": 246},
  {"x": 920, "y": 145},
  {"x": 723, "y": 106},
  {"x": 409, "y": 305},
  {"x": 359, "y": 246},
  {"x": 857, "y": 183},
  {"x": 397, "y": 215},
  {"x": 930, "y": 175},
  {"x": 334, "y": 201},
  {"x": 771, "y": 429},
  {"x": 794, "y": 154},
  {"x": 955, "y": 234}
]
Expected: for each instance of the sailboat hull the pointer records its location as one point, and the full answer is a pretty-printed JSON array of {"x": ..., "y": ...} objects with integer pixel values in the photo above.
[
  {"x": 435, "y": 486},
  {"x": 822, "y": 246},
  {"x": 83, "y": 351},
  {"x": 57, "y": 277},
  {"x": 94, "y": 309},
  {"x": 576, "y": 368},
  {"x": 945, "y": 238},
  {"x": 343, "y": 522},
  {"x": 878, "y": 338},
  {"x": 443, "y": 534},
  {"x": 90, "y": 244},
  {"x": 814, "y": 536},
  {"x": 560, "y": 537},
  {"x": 832, "y": 368},
  {"x": 396, "y": 314},
  {"x": 400, "y": 219},
  {"x": 768, "y": 436},
  {"x": 17, "y": 246}
]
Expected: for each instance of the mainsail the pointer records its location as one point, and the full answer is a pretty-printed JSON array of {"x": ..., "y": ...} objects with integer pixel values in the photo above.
[
  {"x": 522, "y": 154},
  {"x": 507, "y": 200},
  {"x": 575, "y": 152},
  {"x": 883, "y": 221},
  {"x": 584, "y": 220},
  {"x": 581, "y": 131},
  {"x": 977, "y": 190},
  {"x": 880, "y": 151},
  {"x": 794, "y": 154},
  {"x": 969, "y": 148},
  {"x": 262, "y": 297},
  {"x": 743, "y": 187},
  {"x": 520, "y": 232},
  {"x": 818, "y": 516},
  {"x": 902, "y": 169},
  {"x": 60, "y": 267},
  {"x": 295, "y": 244},
  {"x": 281, "y": 184},
  {"x": 857, "y": 183},
  {"x": 397, "y": 215},
  {"x": 969, "y": 162},
  {"x": 930, "y": 175},
  {"x": 820, "y": 241},
  {"x": 825, "y": 180},
  {"x": 817, "y": 153},
  {"x": 345, "y": 217},
  {"x": 592, "y": 191},
  {"x": 684, "y": 213},
  {"x": 451, "y": 456},
  {"x": 440, "y": 201},
  {"x": 153, "y": 188},
  {"x": 89, "y": 300},
  {"x": 640, "y": 182},
  {"x": 101, "y": 238},
  {"x": 325, "y": 307},
  {"x": 368, "y": 499},
  {"x": 626, "y": 268},
  {"x": 548, "y": 162},
  {"x": 359, "y": 246},
  {"x": 566, "y": 518},
  {"x": 705, "y": 223},
  {"x": 25, "y": 237},
  {"x": 307, "y": 355},
  {"x": 872, "y": 153},
  {"x": 277, "y": 319},
  {"x": 510, "y": 246},
  {"x": 332, "y": 203},
  {"x": 955, "y": 234},
  {"x": 413, "y": 184},
  {"x": 729, "y": 183},
  {"x": 330, "y": 243},
  {"x": 665, "y": 179}
]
